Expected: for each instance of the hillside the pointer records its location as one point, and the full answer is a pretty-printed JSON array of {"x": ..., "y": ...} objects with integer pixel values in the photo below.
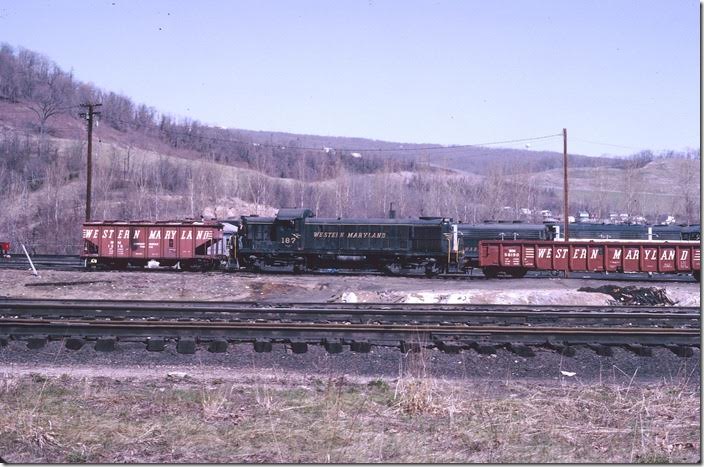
[{"x": 151, "y": 166}]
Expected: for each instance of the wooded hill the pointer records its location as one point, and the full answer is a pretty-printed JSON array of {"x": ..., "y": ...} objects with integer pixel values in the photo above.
[{"x": 148, "y": 165}]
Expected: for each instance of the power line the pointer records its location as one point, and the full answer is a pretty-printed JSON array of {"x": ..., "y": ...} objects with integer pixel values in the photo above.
[
  {"x": 318, "y": 148},
  {"x": 605, "y": 144}
]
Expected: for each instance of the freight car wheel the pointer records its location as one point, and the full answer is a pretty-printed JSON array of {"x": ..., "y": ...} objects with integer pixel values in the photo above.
[
  {"x": 490, "y": 272},
  {"x": 517, "y": 273}
]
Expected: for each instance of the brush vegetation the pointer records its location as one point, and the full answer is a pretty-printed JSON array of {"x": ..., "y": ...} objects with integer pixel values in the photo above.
[
  {"x": 150, "y": 165},
  {"x": 331, "y": 419}
]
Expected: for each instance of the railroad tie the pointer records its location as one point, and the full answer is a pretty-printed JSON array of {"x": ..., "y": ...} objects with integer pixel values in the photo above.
[
  {"x": 186, "y": 346},
  {"x": 299, "y": 347},
  {"x": 36, "y": 342},
  {"x": 640, "y": 350},
  {"x": 681, "y": 351},
  {"x": 521, "y": 350},
  {"x": 261, "y": 346},
  {"x": 74, "y": 343},
  {"x": 360, "y": 347},
  {"x": 156, "y": 345},
  {"x": 602, "y": 350},
  {"x": 332, "y": 345},
  {"x": 217, "y": 346},
  {"x": 105, "y": 344}
]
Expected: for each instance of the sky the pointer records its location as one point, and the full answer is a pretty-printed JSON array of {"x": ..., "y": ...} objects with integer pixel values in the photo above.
[{"x": 620, "y": 75}]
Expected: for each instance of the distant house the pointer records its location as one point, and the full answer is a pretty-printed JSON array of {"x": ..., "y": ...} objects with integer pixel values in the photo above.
[
  {"x": 639, "y": 220},
  {"x": 356, "y": 155}
]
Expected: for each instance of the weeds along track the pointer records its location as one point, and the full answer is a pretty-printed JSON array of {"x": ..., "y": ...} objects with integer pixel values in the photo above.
[{"x": 357, "y": 326}]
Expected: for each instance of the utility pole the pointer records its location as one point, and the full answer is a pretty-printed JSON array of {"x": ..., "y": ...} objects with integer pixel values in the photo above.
[
  {"x": 566, "y": 209},
  {"x": 89, "y": 165},
  {"x": 564, "y": 164}
]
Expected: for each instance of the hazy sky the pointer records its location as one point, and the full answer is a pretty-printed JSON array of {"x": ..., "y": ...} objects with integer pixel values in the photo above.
[{"x": 620, "y": 72}]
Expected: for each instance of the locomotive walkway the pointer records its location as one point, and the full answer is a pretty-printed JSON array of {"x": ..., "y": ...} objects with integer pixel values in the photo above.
[{"x": 359, "y": 326}]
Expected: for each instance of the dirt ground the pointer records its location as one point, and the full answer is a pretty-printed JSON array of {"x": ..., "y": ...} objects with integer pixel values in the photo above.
[{"x": 320, "y": 288}]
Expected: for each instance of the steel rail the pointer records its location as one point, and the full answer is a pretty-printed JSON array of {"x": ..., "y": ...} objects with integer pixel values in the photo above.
[
  {"x": 360, "y": 337},
  {"x": 352, "y": 313},
  {"x": 201, "y": 305},
  {"x": 350, "y": 327}
]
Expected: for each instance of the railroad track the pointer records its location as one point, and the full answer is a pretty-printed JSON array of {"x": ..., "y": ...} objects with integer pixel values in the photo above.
[
  {"x": 56, "y": 262},
  {"x": 74, "y": 262},
  {"x": 451, "y": 328}
]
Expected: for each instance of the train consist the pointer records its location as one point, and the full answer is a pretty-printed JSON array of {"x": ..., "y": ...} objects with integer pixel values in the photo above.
[{"x": 296, "y": 240}]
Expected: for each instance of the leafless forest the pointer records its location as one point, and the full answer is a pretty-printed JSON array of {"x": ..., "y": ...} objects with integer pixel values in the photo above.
[{"x": 148, "y": 165}]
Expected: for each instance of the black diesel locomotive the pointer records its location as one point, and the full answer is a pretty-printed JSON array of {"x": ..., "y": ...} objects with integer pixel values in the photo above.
[{"x": 295, "y": 238}]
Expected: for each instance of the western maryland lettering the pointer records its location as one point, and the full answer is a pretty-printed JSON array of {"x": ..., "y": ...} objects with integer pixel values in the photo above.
[
  {"x": 360, "y": 235},
  {"x": 153, "y": 234}
]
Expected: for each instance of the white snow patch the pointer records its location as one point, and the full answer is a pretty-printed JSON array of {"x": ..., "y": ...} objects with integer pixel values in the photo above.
[{"x": 349, "y": 297}]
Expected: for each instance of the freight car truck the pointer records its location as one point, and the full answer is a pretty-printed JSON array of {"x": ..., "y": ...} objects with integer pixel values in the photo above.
[
  {"x": 191, "y": 245},
  {"x": 515, "y": 258}
]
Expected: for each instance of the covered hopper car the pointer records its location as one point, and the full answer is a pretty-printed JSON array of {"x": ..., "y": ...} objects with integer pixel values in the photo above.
[{"x": 194, "y": 245}]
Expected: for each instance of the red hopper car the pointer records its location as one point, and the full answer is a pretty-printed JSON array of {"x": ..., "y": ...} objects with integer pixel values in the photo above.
[
  {"x": 516, "y": 257},
  {"x": 195, "y": 245},
  {"x": 4, "y": 249}
]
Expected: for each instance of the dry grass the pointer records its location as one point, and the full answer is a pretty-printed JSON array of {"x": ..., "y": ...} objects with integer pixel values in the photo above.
[{"x": 415, "y": 418}]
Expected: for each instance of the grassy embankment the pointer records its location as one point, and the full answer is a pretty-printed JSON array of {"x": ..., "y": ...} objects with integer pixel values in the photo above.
[{"x": 412, "y": 419}]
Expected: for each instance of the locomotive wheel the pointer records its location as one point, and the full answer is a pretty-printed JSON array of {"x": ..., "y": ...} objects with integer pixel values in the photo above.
[
  {"x": 432, "y": 270},
  {"x": 392, "y": 269}
]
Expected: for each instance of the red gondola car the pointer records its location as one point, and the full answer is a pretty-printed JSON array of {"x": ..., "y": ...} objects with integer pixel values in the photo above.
[{"x": 516, "y": 257}]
